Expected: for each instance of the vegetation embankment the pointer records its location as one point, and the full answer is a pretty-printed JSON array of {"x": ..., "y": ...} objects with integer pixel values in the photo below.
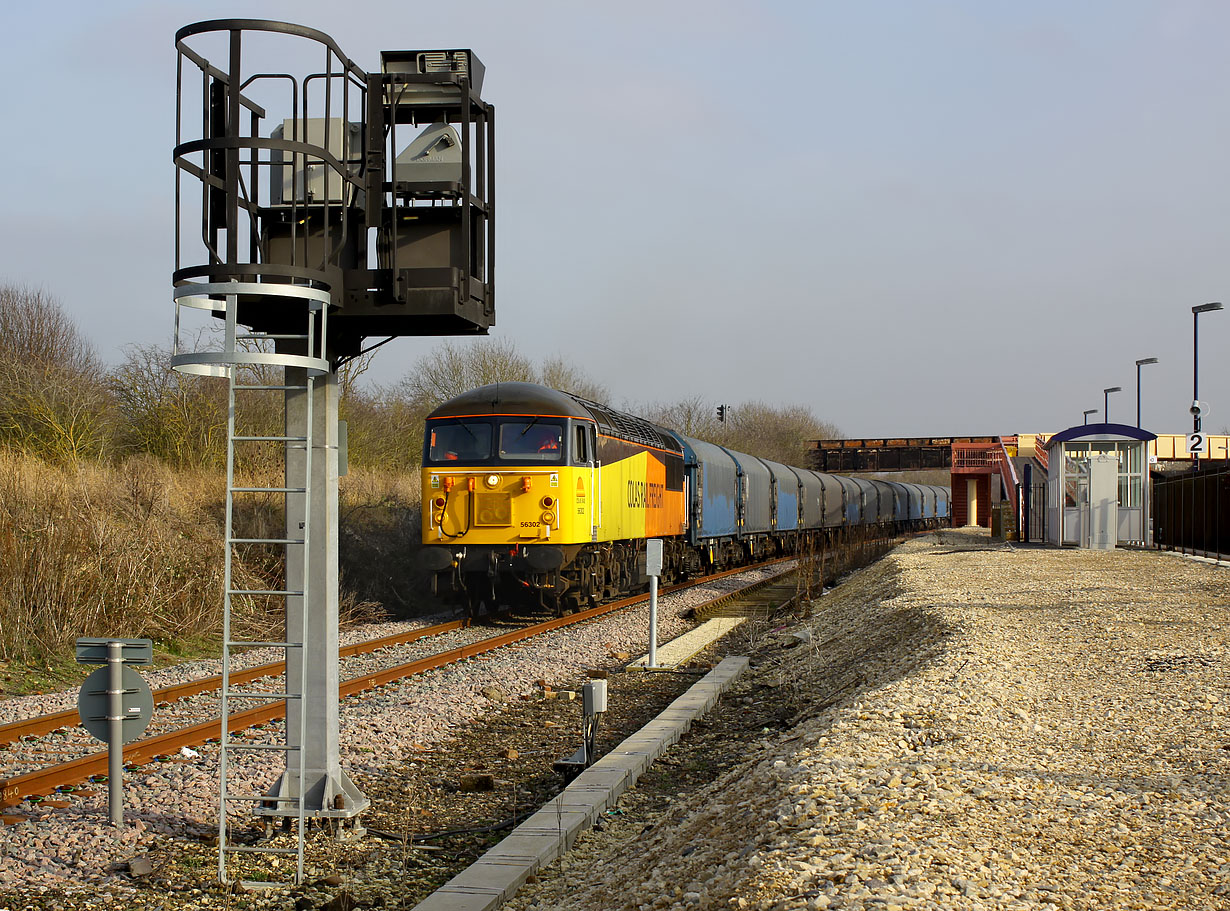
[{"x": 112, "y": 485}]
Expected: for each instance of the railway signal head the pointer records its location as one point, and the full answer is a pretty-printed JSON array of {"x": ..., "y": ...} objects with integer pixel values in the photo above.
[{"x": 721, "y": 413}]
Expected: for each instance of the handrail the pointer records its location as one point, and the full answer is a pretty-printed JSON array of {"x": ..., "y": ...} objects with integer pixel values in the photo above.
[{"x": 1006, "y": 460}]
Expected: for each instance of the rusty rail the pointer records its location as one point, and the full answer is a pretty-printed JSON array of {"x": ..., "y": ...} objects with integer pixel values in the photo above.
[
  {"x": 45, "y": 724},
  {"x": 44, "y": 781}
]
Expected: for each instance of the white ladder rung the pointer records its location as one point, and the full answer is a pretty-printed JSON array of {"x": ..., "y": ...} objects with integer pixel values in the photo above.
[
  {"x": 252, "y": 694},
  {"x": 255, "y": 591},
  {"x": 263, "y": 798},
  {"x": 258, "y": 849},
  {"x": 263, "y": 335},
  {"x": 270, "y": 439},
  {"x": 265, "y": 541},
  {"x": 245, "y": 643},
  {"x": 268, "y": 489},
  {"x": 271, "y": 387},
  {"x": 280, "y": 747}
]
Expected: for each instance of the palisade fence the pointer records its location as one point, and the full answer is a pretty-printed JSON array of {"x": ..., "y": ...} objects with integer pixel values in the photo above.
[
  {"x": 1191, "y": 511},
  {"x": 1033, "y": 513}
]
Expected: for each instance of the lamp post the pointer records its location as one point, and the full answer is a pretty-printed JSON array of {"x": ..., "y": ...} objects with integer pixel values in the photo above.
[
  {"x": 1089, "y": 412},
  {"x": 1196, "y": 311},
  {"x": 1139, "y": 364},
  {"x": 1106, "y": 401}
]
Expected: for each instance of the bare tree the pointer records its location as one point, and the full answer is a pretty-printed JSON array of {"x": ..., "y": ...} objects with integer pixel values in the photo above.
[
  {"x": 779, "y": 433},
  {"x": 559, "y": 374},
  {"x": 692, "y": 417},
  {"x": 453, "y": 368},
  {"x": 34, "y": 329},
  {"x": 179, "y": 418},
  {"x": 53, "y": 401}
]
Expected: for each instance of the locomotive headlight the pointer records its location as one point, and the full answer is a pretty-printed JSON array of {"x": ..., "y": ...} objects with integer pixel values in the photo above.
[
  {"x": 439, "y": 502},
  {"x": 492, "y": 480},
  {"x": 548, "y": 518},
  {"x": 548, "y": 502}
]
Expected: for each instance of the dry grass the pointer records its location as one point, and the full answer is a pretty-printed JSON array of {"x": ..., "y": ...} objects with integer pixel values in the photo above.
[
  {"x": 135, "y": 549},
  {"x": 379, "y": 539}
]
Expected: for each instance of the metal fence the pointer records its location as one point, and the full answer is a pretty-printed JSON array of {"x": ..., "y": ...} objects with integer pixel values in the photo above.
[
  {"x": 1191, "y": 512},
  {"x": 1033, "y": 513}
]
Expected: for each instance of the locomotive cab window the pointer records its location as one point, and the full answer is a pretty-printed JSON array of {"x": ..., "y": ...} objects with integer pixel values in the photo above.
[
  {"x": 580, "y": 449},
  {"x": 462, "y": 441},
  {"x": 531, "y": 441}
]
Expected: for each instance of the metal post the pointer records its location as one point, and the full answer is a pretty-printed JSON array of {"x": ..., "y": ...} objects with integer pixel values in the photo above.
[
  {"x": 1195, "y": 369},
  {"x": 1140, "y": 363},
  {"x": 1196, "y": 311},
  {"x": 1027, "y": 495},
  {"x": 115, "y": 732},
  {"x": 653, "y": 621},
  {"x": 1106, "y": 401}
]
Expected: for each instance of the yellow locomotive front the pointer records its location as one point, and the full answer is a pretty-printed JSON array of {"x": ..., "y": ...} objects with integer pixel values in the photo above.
[
  {"x": 527, "y": 490},
  {"x": 508, "y": 480}
]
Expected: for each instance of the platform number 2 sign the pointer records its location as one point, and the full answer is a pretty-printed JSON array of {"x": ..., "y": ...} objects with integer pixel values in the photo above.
[{"x": 1195, "y": 443}]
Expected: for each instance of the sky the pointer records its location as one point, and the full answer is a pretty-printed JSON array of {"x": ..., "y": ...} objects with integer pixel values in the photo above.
[{"x": 915, "y": 218}]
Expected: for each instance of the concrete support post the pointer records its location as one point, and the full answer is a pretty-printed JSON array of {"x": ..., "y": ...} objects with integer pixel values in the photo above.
[{"x": 312, "y": 620}]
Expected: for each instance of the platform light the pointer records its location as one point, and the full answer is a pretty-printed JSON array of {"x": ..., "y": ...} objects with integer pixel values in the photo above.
[
  {"x": 1140, "y": 363},
  {"x": 1196, "y": 311},
  {"x": 1106, "y": 401},
  {"x": 1088, "y": 412}
]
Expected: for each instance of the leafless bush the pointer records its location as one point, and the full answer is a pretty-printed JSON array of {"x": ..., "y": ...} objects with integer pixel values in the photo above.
[
  {"x": 53, "y": 413},
  {"x": 384, "y": 431}
]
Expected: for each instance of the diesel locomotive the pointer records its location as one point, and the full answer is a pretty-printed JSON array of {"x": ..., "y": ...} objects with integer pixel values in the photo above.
[{"x": 531, "y": 491}]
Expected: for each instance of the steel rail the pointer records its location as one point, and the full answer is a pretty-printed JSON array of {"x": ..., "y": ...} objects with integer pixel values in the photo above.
[
  {"x": 46, "y": 780},
  {"x": 45, "y": 724},
  {"x": 53, "y": 721}
]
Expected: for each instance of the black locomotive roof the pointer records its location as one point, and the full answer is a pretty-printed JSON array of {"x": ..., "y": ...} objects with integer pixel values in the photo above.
[
  {"x": 511, "y": 398},
  {"x": 531, "y": 398}
]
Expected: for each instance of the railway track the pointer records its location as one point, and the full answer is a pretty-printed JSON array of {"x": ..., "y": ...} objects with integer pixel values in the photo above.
[{"x": 46, "y": 779}]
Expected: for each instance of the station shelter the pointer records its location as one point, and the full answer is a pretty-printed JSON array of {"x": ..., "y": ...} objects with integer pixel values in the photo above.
[{"x": 1098, "y": 486}]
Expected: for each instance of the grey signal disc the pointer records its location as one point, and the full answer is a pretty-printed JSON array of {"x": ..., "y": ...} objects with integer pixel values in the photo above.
[{"x": 137, "y": 704}]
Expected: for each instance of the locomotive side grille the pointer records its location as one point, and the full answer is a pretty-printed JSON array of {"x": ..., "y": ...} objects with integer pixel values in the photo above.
[{"x": 492, "y": 509}]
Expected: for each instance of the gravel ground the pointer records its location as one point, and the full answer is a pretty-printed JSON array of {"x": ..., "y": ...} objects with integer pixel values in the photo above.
[
  {"x": 68, "y": 850},
  {"x": 962, "y": 725}
]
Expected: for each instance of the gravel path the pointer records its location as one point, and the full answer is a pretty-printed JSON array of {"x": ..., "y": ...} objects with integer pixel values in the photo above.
[
  {"x": 71, "y": 849},
  {"x": 962, "y": 725}
]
